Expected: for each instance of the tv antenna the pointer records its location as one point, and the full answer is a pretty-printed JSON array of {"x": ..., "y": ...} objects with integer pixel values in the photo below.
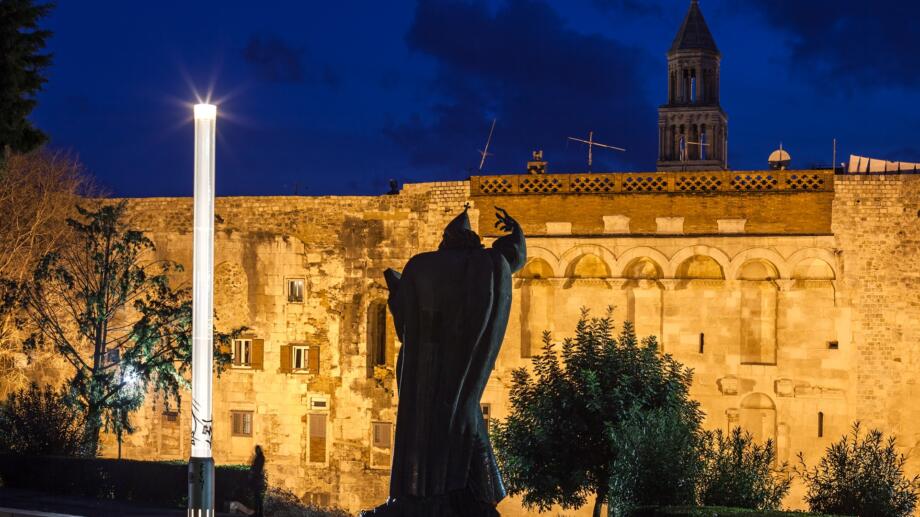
[
  {"x": 591, "y": 143},
  {"x": 485, "y": 152}
]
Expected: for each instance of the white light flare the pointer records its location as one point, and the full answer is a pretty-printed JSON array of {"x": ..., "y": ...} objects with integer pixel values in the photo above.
[{"x": 203, "y": 280}]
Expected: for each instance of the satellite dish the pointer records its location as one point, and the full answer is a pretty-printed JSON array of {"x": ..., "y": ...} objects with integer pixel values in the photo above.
[{"x": 779, "y": 159}]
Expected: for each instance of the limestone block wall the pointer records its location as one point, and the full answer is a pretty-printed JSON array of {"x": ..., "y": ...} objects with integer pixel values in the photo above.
[
  {"x": 877, "y": 227},
  {"x": 793, "y": 328}
]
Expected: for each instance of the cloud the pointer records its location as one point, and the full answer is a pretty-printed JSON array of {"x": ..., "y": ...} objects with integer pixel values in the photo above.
[
  {"x": 639, "y": 7},
  {"x": 543, "y": 81},
  {"x": 850, "y": 42},
  {"x": 277, "y": 61}
]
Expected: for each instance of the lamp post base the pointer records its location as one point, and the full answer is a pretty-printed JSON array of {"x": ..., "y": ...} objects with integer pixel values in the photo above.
[{"x": 200, "y": 487}]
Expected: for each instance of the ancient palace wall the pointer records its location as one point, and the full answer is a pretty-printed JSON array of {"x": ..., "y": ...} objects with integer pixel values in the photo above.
[{"x": 791, "y": 295}]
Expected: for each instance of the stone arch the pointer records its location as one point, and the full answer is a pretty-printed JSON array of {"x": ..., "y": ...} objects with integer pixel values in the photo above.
[
  {"x": 537, "y": 268},
  {"x": 588, "y": 265},
  {"x": 626, "y": 260},
  {"x": 813, "y": 269},
  {"x": 570, "y": 258},
  {"x": 642, "y": 268},
  {"x": 681, "y": 256},
  {"x": 699, "y": 267},
  {"x": 757, "y": 269},
  {"x": 827, "y": 256},
  {"x": 758, "y": 417},
  {"x": 775, "y": 260},
  {"x": 547, "y": 256}
]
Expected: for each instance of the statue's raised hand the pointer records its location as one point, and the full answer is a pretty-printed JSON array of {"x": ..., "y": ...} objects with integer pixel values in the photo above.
[{"x": 505, "y": 222}]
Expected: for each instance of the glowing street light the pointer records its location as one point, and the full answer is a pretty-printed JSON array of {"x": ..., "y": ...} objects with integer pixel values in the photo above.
[{"x": 201, "y": 464}]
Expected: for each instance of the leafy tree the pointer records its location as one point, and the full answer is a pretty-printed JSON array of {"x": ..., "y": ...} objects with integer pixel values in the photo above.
[
  {"x": 560, "y": 442},
  {"x": 39, "y": 421},
  {"x": 22, "y": 65},
  {"x": 658, "y": 461},
  {"x": 862, "y": 474},
  {"x": 105, "y": 305},
  {"x": 739, "y": 472}
]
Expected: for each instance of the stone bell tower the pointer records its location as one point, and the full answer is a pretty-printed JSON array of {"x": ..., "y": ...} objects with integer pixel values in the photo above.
[{"x": 692, "y": 128}]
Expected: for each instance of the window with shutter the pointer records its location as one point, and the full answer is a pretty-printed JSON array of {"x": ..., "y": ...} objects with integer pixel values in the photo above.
[
  {"x": 241, "y": 423},
  {"x": 382, "y": 435},
  {"x": 242, "y": 353},
  {"x": 287, "y": 355},
  {"x": 295, "y": 289},
  {"x": 258, "y": 354},
  {"x": 317, "y": 445}
]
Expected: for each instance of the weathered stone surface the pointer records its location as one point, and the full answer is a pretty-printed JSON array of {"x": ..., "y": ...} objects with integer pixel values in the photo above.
[{"x": 753, "y": 314}]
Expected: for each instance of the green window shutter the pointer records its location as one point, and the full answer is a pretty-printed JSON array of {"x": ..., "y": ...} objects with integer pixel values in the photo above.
[{"x": 258, "y": 351}]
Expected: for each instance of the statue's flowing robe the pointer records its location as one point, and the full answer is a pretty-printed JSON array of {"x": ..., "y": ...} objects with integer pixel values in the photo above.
[{"x": 450, "y": 309}]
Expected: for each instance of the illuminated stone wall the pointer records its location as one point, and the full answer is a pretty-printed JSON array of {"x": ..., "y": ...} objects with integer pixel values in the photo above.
[{"x": 791, "y": 306}]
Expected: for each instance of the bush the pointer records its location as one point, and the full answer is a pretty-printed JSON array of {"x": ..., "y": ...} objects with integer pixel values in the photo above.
[
  {"x": 739, "y": 472},
  {"x": 717, "y": 511},
  {"x": 658, "y": 460},
  {"x": 861, "y": 475},
  {"x": 39, "y": 421},
  {"x": 283, "y": 503},
  {"x": 149, "y": 482}
]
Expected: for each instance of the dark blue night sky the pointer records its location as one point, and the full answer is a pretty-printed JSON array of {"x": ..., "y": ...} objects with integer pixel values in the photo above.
[{"x": 337, "y": 97}]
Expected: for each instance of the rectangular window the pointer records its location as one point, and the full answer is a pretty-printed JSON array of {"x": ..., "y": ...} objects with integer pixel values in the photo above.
[
  {"x": 702, "y": 342},
  {"x": 486, "y": 414},
  {"x": 820, "y": 424},
  {"x": 383, "y": 437},
  {"x": 171, "y": 416},
  {"x": 295, "y": 290},
  {"x": 833, "y": 345},
  {"x": 305, "y": 358},
  {"x": 317, "y": 428},
  {"x": 242, "y": 352},
  {"x": 241, "y": 423}
]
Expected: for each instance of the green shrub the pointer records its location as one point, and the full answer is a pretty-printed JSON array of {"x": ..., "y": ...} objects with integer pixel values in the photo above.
[
  {"x": 716, "y": 511},
  {"x": 38, "y": 421},
  {"x": 658, "y": 460},
  {"x": 861, "y": 475},
  {"x": 739, "y": 472}
]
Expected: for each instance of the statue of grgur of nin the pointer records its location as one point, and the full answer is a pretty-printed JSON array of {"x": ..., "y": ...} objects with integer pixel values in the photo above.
[{"x": 450, "y": 309}]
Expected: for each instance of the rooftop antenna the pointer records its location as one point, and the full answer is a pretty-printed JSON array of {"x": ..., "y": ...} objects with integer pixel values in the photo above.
[
  {"x": 485, "y": 152},
  {"x": 834, "y": 161},
  {"x": 591, "y": 143}
]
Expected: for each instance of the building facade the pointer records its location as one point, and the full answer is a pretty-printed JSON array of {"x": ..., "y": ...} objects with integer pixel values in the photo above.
[{"x": 790, "y": 294}]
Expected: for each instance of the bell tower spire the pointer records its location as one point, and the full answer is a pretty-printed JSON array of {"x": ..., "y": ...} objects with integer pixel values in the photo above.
[{"x": 692, "y": 127}]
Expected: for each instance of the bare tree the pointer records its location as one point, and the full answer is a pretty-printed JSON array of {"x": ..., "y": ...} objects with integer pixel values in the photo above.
[{"x": 38, "y": 192}]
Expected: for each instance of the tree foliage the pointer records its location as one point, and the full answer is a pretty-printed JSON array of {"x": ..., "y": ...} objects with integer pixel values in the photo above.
[
  {"x": 22, "y": 65},
  {"x": 658, "y": 461},
  {"x": 740, "y": 472},
  {"x": 861, "y": 474},
  {"x": 560, "y": 443},
  {"x": 104, "y": 304},
  {"x": 40, "y": 422}
]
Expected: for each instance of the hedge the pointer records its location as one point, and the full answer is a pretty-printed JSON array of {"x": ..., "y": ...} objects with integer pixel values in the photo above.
[
  {"x": 716, "y": 511},
  {"x": 150, "y": 482}
]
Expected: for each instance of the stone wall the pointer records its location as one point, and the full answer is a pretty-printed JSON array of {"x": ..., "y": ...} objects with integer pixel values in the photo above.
[{"x": 813, "y": 317}]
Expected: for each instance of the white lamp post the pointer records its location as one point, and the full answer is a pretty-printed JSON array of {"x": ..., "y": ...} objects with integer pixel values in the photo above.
[{"x": 201, "y": 465}]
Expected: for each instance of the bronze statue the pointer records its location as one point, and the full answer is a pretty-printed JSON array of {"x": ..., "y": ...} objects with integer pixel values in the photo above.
[{"x": 450, "y": 308}]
